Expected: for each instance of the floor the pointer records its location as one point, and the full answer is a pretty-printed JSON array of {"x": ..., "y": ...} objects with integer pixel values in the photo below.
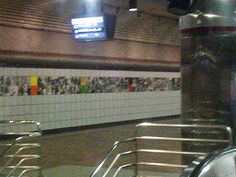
[
  {"x": 85, "y": 171},
  {"x": 77, "y": 153}
]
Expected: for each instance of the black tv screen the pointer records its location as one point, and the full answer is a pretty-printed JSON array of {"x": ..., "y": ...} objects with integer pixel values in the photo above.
[{"x": 93, "y": 27}]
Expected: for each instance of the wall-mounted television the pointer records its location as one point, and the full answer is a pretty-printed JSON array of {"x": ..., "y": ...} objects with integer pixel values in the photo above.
[{"x": 93, "y": 27}]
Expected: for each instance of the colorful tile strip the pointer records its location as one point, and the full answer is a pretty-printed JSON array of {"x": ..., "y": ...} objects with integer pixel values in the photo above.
[{"x": 37, "y": 85}]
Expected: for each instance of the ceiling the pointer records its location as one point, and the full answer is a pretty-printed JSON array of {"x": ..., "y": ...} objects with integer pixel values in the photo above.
[
  {"x": 55, "y": 15},
  {"x": 70, "y": 7}
]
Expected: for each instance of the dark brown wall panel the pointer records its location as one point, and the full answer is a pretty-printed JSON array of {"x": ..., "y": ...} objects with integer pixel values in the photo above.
[
  {"x": 42, "y": 27},
  {"x": 55, "y": 16}
]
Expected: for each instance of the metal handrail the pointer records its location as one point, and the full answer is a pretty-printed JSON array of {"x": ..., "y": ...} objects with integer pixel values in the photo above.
[
  {"x": 19, "y": 144},
  {"x": 23, "y": 167},
  {"x": 147, "y": 164},
  {"x": 204, "y": 120},
  {"x": 19, "y": 163},
  {"x": 114, "y": 146},
  {"x": 17, "y": 140},
  {"x": 181, "y": 139},
  {"x": 116, "y": 159},
  {"x": 30, "y": 134},
  {"x": 229, "y": 141},
  {"x": 222, "y": 127},
  {"x": 118, "y": 156},
  {"x": 20, "y": 141},
  {"x": 27, "y": 171},
  {"x": 12, "y": 157},
  {"x": 22, "y": 122}
]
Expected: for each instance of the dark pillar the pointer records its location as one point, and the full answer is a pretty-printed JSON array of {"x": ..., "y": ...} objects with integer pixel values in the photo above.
[{"x": 208, "y": 68}]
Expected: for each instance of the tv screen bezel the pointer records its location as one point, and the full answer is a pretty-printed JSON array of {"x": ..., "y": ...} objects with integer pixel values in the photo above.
[{"x": 87, "y": 16}]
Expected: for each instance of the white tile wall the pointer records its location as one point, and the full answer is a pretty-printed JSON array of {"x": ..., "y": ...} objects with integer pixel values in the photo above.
[{"x": 62, "y": 111}]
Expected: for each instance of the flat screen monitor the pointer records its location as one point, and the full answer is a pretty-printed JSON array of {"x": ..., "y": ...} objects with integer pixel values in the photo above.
[{"x": 93, "y": 27}]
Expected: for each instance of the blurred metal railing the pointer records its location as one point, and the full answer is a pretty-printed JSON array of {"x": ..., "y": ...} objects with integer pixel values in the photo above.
[
  {"x": 227, "y": 141},
  {"x": 20, "y": 148}
]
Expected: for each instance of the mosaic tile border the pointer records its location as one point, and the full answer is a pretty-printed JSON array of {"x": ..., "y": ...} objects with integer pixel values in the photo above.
[{"x": 62, "y": 85}]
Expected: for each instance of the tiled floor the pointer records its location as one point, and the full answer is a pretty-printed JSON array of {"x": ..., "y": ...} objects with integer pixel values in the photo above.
[{"x": 85, "y": 171}]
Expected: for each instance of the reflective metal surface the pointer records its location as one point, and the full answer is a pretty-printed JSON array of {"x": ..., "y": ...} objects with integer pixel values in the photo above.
[
  {"x": 191, "y": 154},
  {"x": 208, "y": 69},
  {"x": 20, "y": 150},
  {"x": 220, "y": 164},
  {"x": 210, "y": 13}
]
